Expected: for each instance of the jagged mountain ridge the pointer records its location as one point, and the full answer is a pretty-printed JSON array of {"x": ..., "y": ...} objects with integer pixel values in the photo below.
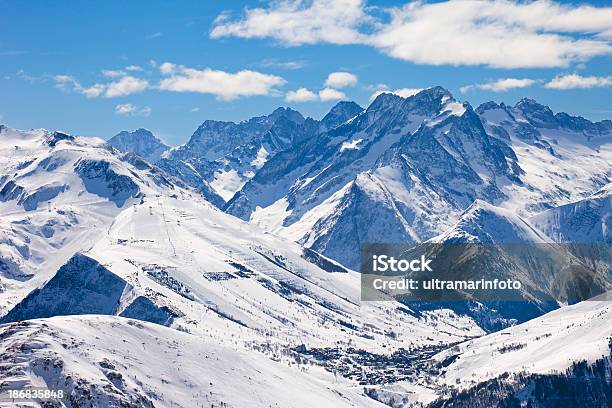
[
  {"x": 225, "y": 155},
  {"x": 428, "y": 157}
]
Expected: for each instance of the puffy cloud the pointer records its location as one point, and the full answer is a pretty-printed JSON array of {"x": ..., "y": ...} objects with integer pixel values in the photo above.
[
  {"x": 338, "y": 80},
  {"x": 306, "y": 95},
  {"x": 301, "y": 95},
  {"x": 295, "y": 22},
  {"x": 167, "y": 68},
  {"x": 224, "y": 85},
  {"x": 330, "y": 94},
  {"x": 127, "y": 85},
  {"x": 501, "y": 85},
  {"x": 403, "y": 92},
  {"x": 127, "y": 109},
  {"x": 573, "y": 81},
  {"x": 496, "y": 33}
]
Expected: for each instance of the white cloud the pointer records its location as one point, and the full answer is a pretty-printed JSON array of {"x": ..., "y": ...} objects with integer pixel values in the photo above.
[
  {"x": 127, "y": 85},
  {"x": 196, "y": 109},
  {"x": 403, "y": 92},
  {"x": 338, "y": 80},
  {"x": 329, "y": 94},
  {"x": 133, "y": 68},
  {"x": 573, "y": 81},
  {"x": 167, "y": 68},
  {"x": 93, "y": 91},
  {"x": 495, "y": 33},
  {"x": 406, "y": 92},
  {"x": 224, "y": 85},
  {"x": 301, "y": 95},
  {"x": 127, "y": 109},
  {"x": 113, "y": 73},
  {"x": 501, "y": 85},
  {"x": 296, "y": 22}
]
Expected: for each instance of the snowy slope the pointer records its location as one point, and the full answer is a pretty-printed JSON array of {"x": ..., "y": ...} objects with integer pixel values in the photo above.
[
  {"x": 110, "y": 361},
  {"x": 584, "y": 221},
  {"x": 191, "y": 262},
  {"x": 58, "y": 194},
  {"x": 482, "y": 222},
  {"x": 494, "y": 242},
  {"x": 113, "y": 361},
  {"x": 490, "y": 366},
  {"x": 551, "y": 342},
  {"x": 564, "y": 158}
]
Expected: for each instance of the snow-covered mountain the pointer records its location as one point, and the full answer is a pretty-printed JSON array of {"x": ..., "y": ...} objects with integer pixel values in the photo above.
[
  {"x": 583, "y": 221},
  {"x": 405, "y": 169},
  {"x": 141, "y": 142},
  {"x": 153, "y": 250},
  {"x": 340, "y": 113},
  {"x": 225, "y": 155},
  {"x": 108, "y": 261},
  {"x": 564, "y": 158},
  {"x": 58, "y": 194}
]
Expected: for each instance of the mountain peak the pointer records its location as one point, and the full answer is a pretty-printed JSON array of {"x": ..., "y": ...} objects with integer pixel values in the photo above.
[
  {"x": 340, "y": 113},
  {"x": 486, "y": 106},
  {"x": 531, "y": 105},
  {"x": 141, "y": 142},
  {"x": 287, "y": 113},
  {"x": 537, "y": 114},
  {"x": 436, "y": 92},
  {"x": 384, "y": 100}
]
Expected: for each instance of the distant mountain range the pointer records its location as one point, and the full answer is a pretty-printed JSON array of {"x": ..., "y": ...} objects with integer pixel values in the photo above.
[{"x": 402, "y": 170}]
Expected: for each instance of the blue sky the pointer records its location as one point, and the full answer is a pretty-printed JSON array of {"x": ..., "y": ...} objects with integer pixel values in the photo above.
[{"x": 96, "y": 68}]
